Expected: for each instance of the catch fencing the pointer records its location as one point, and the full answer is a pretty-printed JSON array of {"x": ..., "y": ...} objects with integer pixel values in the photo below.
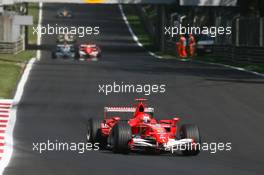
[{"x": 245, "y": 44}]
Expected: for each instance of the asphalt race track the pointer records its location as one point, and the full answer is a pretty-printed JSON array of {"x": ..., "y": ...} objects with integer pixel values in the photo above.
[{"x": 61, "y": 95}]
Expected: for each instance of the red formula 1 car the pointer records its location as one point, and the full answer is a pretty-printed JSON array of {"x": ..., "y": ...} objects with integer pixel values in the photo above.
[
  {"x": 89, "y": 52},
  {"x": 142, "y": 132}
]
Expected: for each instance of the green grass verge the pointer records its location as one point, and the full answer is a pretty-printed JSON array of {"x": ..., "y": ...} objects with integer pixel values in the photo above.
[
  {"x": 21, "y": 57},
  {"x": 8, "y": 78},
  {"x": 139, "y": 30},
  {"x": 147, "y": 42},
  {"x": 11, "y": 65}
]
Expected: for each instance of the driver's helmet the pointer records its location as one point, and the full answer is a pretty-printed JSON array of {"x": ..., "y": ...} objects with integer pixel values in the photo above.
[
  {"x": 65, "y": 12},
  {"x": 67, "y": 37},
  {"x": 66, "y": 47},
  {"x": 146, "y": 118}
]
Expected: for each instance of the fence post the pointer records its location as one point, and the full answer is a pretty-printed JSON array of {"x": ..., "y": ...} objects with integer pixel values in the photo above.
[
  {"x": 162, "y": 24},
  {"x": 237, "y": 32},
  {"x": 26, "y": 30},
  {"x": 261, "y": 32}
]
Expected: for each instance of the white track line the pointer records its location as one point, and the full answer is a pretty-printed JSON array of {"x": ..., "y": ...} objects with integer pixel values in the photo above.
[
  {"x": 135, "y": 38},
  {"x": 231, "y": 67},
  {"x": 19, "y": 92},
  {"x": 39, "y": 33},
  {"x": 157, "y": 56}
]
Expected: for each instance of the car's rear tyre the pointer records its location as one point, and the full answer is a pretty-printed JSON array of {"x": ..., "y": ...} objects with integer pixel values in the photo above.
[
  {"x": 76, "y": 56},
  {"x": 53, "y": 55},
  {"x": 120, "y": 137},
  {"x": 191, "y": 131},
  {"x": 94, "y": 134}
]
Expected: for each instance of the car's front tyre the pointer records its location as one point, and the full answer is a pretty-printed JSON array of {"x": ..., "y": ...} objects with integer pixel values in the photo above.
[
  {"x": 120, "y": 137},
  {"x": 190, "y": 131}
]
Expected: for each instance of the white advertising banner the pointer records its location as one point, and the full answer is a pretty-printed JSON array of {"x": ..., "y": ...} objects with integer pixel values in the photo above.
[{"x": 208, "y": 2}]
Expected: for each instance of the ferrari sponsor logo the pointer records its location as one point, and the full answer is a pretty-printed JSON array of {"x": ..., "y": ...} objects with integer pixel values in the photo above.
[{"x": 94, "y": 1}]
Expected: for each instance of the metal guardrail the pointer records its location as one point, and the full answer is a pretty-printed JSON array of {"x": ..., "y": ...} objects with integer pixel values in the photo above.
[
  {"x": 242, "y": 54},
  {"x": 171, "y": 47},
  {"x": 226, "y": 53},
  {"x": 12, "y": 47},
  {"x": 102, "y": 1},
  {"x": 229, "y": 53}
]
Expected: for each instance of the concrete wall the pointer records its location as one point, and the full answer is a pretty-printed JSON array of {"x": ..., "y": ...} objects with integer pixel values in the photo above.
[
  {"x": 7, "y": 30},
  {"x": 10, "y": 26}
]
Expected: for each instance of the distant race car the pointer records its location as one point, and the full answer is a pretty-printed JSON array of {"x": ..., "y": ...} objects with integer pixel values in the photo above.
[
  {"x": 69, "y": 38},
  {"x": 89, "y": 51},
  {"x": 65, "y": 51},
  {"x": 64, "y": 13},
  {"x": 141, "y": 131}
]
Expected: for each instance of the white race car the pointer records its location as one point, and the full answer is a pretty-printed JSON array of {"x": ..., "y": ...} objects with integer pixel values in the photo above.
[{"x": 65, "y": 51}]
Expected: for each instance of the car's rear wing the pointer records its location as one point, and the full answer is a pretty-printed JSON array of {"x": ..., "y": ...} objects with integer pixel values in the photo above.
[
  {"x": 88, "y": 45},
  {"x": 62, "y": 45},
  {"x": 126, "y": 109}
]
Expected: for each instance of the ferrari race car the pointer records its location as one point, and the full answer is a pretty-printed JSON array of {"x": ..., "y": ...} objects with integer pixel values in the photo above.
[
  {"x": 142, "y": 132},
  {"x": 64, "y": 13},
  {"x": 65, "y": 51},
  {"x": 89, "y": 52},
  {"x": 69, "y": 38}
]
